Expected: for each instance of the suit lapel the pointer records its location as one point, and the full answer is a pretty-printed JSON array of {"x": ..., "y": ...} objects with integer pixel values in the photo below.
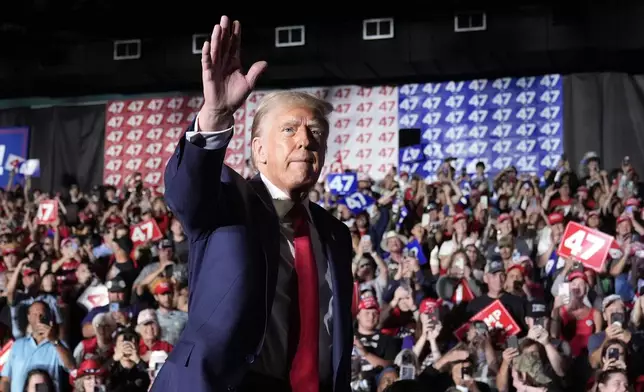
[
  {"x": 265, "y": 220},
  {"x": 334, "y": 256}
]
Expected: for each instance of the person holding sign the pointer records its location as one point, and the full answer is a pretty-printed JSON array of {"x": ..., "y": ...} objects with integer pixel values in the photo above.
[
  {"x": 494, "y": 277},
  {"x": 270, "y": 272}
]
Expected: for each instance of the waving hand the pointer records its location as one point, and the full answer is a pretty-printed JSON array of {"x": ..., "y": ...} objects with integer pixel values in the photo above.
[{"x": 225, "y": 87}]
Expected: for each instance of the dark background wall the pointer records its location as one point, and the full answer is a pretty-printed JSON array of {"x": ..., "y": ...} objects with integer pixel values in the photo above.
[
  {"x": 64, "y": 48},
  {"x": 604, "y": 112},
  {"x": 68, "y": 140}
]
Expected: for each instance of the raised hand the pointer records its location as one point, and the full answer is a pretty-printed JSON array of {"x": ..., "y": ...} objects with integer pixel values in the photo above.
[{"x": 225, "y": 87}]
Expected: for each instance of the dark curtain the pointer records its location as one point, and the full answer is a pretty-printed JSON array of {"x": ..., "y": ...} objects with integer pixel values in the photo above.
[
  {"x": 604, "y": 112},
  {"x": 68, "y": 140}
]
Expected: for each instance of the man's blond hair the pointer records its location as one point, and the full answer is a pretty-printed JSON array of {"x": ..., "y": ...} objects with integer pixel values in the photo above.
[{"x": 320, "y": 108}]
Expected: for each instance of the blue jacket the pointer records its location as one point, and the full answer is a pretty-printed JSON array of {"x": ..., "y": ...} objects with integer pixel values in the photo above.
[{"x": 234, "y": 253}]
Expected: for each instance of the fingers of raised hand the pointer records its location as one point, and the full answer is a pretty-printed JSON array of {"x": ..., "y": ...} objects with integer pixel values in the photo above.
[{"x": 224, "y": 45}]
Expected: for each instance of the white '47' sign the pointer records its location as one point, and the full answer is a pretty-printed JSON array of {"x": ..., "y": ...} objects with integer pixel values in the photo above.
[
  {"x": 588, "y": 246},
  {"x": 47, "y": 212}
]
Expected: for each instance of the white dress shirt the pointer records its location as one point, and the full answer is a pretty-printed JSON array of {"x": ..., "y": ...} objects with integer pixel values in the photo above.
[{"x": 272, "y": 360}]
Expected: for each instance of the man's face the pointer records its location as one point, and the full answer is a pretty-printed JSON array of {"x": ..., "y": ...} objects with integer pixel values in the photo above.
[
  {"x": 291, "y": 147},
  {"x": 505, "y": 227},
  {"x": 505, "y": 252},
  {"x": 368, "y": 318},
  {"x": 394, "y": 245},
  {"x": 165, "y": 300},
  {"x": 495, "y": 281},
  {"x": 116, "y": 297},
  {"x": 165, "y": 253},
  {"x": 36, "y": 311}
]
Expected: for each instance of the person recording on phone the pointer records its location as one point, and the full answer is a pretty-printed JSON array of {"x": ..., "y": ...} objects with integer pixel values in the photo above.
[
  {"x": 40, "y": 349},
  {"x": 38, "y": 380},
  {"x": 127, "y": 371},
  {"x": 117, "y": 291},
  {"x": 616, "y": 326},
  {"x": 369, "y": 269},
  {"x": 456, "y": 368}
]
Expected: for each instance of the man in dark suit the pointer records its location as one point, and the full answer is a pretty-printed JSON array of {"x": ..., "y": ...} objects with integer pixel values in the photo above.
[{"x": 270, "y": 273}]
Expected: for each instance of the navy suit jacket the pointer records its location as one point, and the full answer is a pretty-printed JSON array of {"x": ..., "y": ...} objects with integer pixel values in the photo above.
[{"x": 233, "y": 231}]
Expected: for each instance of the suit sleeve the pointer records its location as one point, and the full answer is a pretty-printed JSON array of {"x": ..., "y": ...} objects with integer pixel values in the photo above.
[{"x": 193, "y": 180}]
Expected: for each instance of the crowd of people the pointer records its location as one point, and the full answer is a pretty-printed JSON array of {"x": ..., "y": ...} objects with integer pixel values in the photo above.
[
  {"x": 428, "y": 258},
  {"x": 84, "y": 307},
  {"x": 437, "y": 264}
]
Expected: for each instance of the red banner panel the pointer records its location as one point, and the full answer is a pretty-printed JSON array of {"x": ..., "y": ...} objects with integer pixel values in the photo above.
[{"x": 142, "y": 134}]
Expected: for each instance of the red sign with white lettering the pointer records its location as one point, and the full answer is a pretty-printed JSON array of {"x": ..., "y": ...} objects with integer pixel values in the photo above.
[
  {"x": 47, "y": 212},
  {"x": 583, "y": 244},
  {"x": 495, "y": 316},
  {"x": 145, "y": 231}
]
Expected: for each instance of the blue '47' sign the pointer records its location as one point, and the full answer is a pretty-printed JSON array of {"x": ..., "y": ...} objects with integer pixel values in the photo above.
[
  {"x": 342, "y": 184},
  {"x": 358, "y": 202}
]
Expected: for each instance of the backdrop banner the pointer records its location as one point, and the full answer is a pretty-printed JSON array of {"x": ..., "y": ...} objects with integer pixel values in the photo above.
[{"x": 501, "y": 122}]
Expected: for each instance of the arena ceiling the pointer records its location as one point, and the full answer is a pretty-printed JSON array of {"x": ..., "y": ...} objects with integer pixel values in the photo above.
[{"x": 64, "y": 47}]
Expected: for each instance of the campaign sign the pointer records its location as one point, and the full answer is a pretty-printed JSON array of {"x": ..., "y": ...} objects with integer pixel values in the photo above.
[
  {"x": 358, "y": 202},
  {"x": 416, "y": 250},
  {"x": 144, "y": 232},
  {"x": 4, "y": 353},
  {"x": 47, "y": 212},
  {"x": 94, "y": 296},
  {"x": 342, "y": 184},
  {"x": 583, "y": 244},
  {"x": 411, "y": 154},
  {"x": 495, "y": 316},
  {"x": 13, "y": 142}
]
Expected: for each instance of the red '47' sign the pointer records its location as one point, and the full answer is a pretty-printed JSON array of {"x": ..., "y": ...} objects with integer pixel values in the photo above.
[
  {"x": 47, "y": 212},
  {"x": 588, "y": 246},
  {"x": 145, "y": 231},
  {"x": 495, "y": 316}
]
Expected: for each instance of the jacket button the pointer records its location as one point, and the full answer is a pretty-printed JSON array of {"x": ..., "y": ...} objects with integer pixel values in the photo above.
[{"x": 250, "y": 358}]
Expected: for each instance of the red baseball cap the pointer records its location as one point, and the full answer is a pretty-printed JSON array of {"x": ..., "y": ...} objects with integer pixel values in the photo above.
[
  {"x": 368, "y": 303},
  {"x": 555, "y": 218},
  {"x": 427, "y": 305},
  {"x": 162, "y": 287}
]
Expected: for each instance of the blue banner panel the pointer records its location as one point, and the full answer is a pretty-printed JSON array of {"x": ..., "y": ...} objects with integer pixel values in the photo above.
[{"x": 502, "y": 122}]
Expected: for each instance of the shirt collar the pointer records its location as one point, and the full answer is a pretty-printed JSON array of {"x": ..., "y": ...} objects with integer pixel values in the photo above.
[{"x": 279, "y": 194}]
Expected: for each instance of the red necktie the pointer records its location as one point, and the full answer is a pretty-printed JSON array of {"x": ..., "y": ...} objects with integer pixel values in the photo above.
[{"x": 304, "y": 374}]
